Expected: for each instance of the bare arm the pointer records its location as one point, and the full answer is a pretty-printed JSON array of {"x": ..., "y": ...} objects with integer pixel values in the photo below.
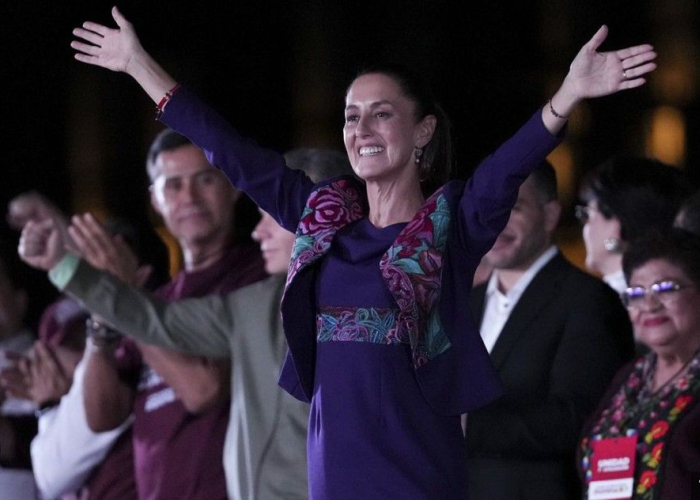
[
  {"x": 108, "y": 399},
  {"x": 198, "y": 382}
]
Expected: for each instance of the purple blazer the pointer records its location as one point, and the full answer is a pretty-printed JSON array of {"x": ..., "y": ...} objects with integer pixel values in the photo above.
[{"x": 452, "y": 366}]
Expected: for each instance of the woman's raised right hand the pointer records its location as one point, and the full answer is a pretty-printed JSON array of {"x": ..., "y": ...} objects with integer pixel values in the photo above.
[{"x": 107, "y": 47}]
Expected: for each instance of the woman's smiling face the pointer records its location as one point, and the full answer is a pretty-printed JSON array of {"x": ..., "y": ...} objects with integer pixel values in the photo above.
[
  {"x": 671, "y": 325},
  {"x": 380, "y": 130}
]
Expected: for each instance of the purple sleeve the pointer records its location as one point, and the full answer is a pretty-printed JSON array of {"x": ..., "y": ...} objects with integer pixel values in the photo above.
[
  {"x": 260, "y": 172},
  {"x": 492, "y": 191}
]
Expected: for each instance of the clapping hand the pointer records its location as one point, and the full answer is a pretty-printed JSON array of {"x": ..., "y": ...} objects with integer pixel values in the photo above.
[
  {"x": 49, "y": 374},
  {"x": 106, "y": 252}
]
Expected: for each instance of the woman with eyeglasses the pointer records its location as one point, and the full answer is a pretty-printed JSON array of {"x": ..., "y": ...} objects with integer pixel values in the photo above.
[
  {"x": 643, "y": 442},
  {"x": 624, "y": 198}
]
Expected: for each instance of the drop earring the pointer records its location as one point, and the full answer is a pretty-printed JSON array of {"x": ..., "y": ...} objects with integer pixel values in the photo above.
[
  {"x": 417, "y": 152},
  {"x": 611, "y": 245}
]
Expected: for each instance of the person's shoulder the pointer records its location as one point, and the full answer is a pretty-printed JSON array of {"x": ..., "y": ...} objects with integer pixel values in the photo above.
[
  {"x": 580, "y": 283},
  {"x": 260, "y": 292},
  {"x": 341, "y": 180}
]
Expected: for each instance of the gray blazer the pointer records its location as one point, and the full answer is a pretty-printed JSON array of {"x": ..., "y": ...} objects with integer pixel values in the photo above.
[{"x": 265, "y": 449}]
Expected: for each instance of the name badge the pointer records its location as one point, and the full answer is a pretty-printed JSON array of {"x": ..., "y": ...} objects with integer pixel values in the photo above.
[{"x": 612, "y": 468}]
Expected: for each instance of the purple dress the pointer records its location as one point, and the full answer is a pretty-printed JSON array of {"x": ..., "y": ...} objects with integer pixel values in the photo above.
[
  {"x": 371, "y": 431},
  {"x": 385, "y": 417}
]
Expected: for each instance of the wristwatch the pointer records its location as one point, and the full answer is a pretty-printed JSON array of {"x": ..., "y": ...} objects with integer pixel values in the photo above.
[{"x": 102, "y": 335}]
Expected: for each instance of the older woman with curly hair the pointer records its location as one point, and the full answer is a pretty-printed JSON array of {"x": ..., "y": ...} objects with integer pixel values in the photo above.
[{"x": 644, "y": 439}]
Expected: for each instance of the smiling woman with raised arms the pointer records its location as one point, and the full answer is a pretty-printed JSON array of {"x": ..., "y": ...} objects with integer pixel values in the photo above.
[{"x": 380, "y": 339}]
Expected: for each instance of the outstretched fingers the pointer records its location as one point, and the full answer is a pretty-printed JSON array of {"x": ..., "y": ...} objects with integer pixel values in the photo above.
[
  {"x": 631, "y": 73},
  {"x": 89, "y": 241},
  {"x": 96, "y": 28},
  {"x": 86, "y": 48},
  {"x": 88, "y": 35},
  {"x": 633, "y": 61},
  {"x": 633, "y": 51}
]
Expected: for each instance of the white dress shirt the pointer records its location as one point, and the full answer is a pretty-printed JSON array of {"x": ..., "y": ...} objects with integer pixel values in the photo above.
[
  {"x": 498, "y": 305},
  {"x": 66, "y": 451}
]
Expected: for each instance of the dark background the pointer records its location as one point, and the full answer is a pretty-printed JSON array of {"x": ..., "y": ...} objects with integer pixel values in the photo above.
[{"x": 278, "y": 71}]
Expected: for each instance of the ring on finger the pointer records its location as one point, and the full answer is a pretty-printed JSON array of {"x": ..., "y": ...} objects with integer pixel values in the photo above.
[{"x": 624, "y": 74}]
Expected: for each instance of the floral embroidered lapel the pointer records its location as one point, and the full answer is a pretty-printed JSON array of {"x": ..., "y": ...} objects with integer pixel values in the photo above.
[{"x": 411, "y": 267}]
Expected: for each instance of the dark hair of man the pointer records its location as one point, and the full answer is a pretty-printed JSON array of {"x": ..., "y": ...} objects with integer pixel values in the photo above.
[
  {"x": 643, "y": 193},
  {"x": 436, "y": 162},
  {"x": 689, "y": 215},
  {"x": 544, "y": 178},
  {"x": 166, "y": 140},
  {"x": 677, "y": 246},
  {"x": 318, "y": 163}
]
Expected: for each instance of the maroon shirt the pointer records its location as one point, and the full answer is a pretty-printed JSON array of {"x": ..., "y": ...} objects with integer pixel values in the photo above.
[
  {"x": 178, "y": 454},
  {"x": 114, "y": 479}
]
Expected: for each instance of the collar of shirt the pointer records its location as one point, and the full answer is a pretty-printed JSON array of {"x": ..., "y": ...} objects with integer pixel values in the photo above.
[
  {"x": 616, "y": 281},
  {"x": 499, "y": 306},
  {"x": 514, "y": 293}
]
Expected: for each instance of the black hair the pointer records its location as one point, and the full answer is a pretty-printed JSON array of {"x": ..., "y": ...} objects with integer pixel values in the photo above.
[
  {"x": 677, "y": 246},
  {"x": 436, "y": 162},
  {"x": 688, "y": 217},
  {"x": 166, "y": 140},
  {"x": 545, "y": 178},
  {"x": 318, "y": 163},
  {"x": 643, "y": 193}
]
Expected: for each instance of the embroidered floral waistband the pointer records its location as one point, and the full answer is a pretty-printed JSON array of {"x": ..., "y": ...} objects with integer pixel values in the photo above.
[{"x": 360, "y": 324}]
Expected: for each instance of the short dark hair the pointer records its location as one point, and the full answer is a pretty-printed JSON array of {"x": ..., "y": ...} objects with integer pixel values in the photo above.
[
  {"x": 166, "y": 140},
  {"x": 545, "y": 180},
  {"x": 318, "y": 163},
  {"x": 642, "y": 193},
  {"x": 688, "y": 217},
  {"x": 677, "y": 246},
  {"x": 438, "y": 155}
]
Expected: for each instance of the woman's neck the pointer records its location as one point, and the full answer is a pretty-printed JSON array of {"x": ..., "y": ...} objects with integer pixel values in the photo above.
[
  {"x": 611, "y": 265},
  {"x": 200, "y": 256},
  {"x": 393, "y": 202},
  {"x": 671, "y": 364}
]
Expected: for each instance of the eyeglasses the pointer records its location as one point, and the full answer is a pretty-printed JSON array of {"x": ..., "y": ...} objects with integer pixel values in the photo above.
[
  {"x": 664, "y": 292},
  {"x": 582, "y": 213}
]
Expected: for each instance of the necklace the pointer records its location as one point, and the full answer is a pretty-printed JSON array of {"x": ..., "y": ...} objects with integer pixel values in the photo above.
[{"x": 648, "y": 390}]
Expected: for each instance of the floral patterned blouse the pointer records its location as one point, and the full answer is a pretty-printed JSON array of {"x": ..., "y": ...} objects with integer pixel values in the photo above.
[{"x": 633, "y": 410}]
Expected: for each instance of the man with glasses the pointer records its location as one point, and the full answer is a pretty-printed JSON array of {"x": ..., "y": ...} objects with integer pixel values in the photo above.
[{"x": 557, "y": 336}]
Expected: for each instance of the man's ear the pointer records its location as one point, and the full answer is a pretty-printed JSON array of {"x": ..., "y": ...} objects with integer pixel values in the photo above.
[
  {"x": 552, "y": 214},
  {"x": 154, "y": 200}
]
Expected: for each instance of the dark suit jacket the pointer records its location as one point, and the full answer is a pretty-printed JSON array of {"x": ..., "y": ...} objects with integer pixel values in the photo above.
[{"x": 556, "y": 355}]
